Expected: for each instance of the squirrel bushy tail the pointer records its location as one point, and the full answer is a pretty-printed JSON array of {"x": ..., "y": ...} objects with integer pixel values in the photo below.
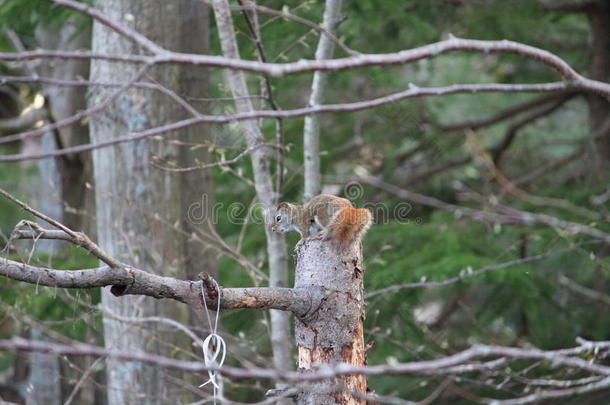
[{"x": 347, "y": 226}]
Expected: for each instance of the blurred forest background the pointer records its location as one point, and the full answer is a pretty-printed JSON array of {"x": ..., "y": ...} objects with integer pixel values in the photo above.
[{"x": 424, "y": 161}]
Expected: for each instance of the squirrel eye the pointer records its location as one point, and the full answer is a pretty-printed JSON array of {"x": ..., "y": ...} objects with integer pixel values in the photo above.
[{"x": 278, "y": 218}]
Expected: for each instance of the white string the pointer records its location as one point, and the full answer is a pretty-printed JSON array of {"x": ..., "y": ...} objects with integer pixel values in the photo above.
[{"x": 213, "y": 346}]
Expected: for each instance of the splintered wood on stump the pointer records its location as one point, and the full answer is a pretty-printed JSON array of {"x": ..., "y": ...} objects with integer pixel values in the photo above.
[{"x": 332, "y": 333}]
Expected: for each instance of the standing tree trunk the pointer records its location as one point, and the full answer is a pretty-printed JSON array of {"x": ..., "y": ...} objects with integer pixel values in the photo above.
[
  {"x": 335, "y": 332},
  {"x": 62, "y": 192},
  {"x": 197, "y": 186},
  {"x": 311, "y": 131},
  {"x": 43, "y": 385},
  {"x": 137, "y": 205},
  {"x": 261, "y": 164},
  {"x": 62, "y": 102},
  {"x": 599, "y": 107}
]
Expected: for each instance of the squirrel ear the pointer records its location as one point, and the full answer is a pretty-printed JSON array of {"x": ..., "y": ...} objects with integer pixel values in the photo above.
[{"x": 283, "y": 205}]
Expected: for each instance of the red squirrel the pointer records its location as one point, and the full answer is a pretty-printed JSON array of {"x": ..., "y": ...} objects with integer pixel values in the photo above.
[{"x": 341, "y": 223}]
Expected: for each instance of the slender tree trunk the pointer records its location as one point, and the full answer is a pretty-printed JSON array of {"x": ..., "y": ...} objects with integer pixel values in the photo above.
[
  {"x": 599, "y": 107},
  {"x": 311, "y": 132},
  {"x": 63, "y": 102},
  {"x": 261, "y": 164},
  {"x": 334, "y": 333},
  {"x": 62, "y": 191},
  {"x": 49, "y": 192},
  {"x": 43, "y": 385},
  {"x": 197, "y": 186},
  {"x": 137, "y": 205}
]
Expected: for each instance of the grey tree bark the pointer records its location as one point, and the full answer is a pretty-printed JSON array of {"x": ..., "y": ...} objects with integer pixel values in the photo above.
[
  {"x": 334, "y": 333},
  {"x": 311, "y": 131},
  {"x": 61, "y": 187},
  {"x": 139, "y": 209},
  {"x": 598, "y": 13},
  {"x": 43, "y": 386},
  {"x": 197, "y": 186},
  {"x": 63, "y": 102},
  {"x": 48, "y": 191},
  {"x": 281, "y": 340}
]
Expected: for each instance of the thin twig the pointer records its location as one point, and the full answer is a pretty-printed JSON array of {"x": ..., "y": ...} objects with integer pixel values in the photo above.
[
  {"x": 77, "y": 238},
  {"x": 299, "y": 112},
  {"x": 38, "y": 214},
  {"x": 502, "y": 115},
  {"x": 563, "y": 357},
  {"x": 311, "y": 128},
  {"x": 584, "y": 291},
  {"x": 453, "y": 44},
  {"x": 464, "y": 275},
  {"x": 203, "y": 166},
  {"x": 79, "y": 115},
  {"x": 501, "y": 214},
  {"x": 268, "y": 90},
  {"x": 323, "y": 30}
]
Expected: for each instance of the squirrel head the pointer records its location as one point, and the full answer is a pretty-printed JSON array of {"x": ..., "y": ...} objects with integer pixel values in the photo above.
[{"x": 283, "y": 218}]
